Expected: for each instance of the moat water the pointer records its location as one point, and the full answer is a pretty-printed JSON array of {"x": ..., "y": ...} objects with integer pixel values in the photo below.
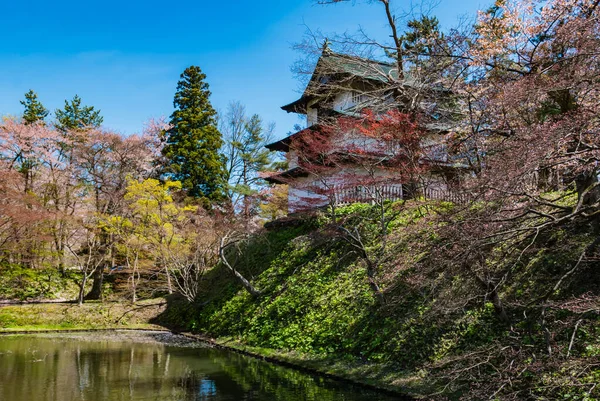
[{"x": 128, "y": 366}]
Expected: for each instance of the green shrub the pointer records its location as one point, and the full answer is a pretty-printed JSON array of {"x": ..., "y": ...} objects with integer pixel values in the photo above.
[{"x": 22, "y": 283}]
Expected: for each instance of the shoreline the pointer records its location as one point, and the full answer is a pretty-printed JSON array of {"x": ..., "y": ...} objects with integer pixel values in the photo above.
[
  {"x": 272, "y": 356},
  {"x": 83, "y": 330},
  {"x": 280, "y": 359},
  {"x": 38, "y": 317}
]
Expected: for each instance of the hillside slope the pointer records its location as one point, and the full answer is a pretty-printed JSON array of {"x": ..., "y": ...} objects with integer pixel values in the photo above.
[{"x": 435, "y": 332}]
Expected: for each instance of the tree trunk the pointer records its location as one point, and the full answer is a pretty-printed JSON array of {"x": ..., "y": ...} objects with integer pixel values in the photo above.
[
  {"x": 491, "y": 291},
  {"x": 245, "y": 283},
  {"x": 60, "y": 253},
  {"x": 371, "y": 269},
  {"x": 246, "y": 200},
  {"x": 584, "y": 183},
  {"x": 498, "y": 306},
  {"x": 81, "y": 297},
  {"x": 134, "y": 279},
  {"x": 169, "y": 284},
  {"x": 96, "y": 291}
]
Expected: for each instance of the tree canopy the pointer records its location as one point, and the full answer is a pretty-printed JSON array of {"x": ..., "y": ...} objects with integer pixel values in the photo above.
[
  {"x": 74, "y": 116},
  {"x": 34, "y": 109},
  {"x": 193, "y": 141}
]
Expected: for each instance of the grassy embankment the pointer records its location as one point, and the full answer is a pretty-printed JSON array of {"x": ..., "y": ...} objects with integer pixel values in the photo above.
[
  {"x": 30, "y": 285},
  {"x": 435, "y": 335},
  {"x": 89, "y": 316}
]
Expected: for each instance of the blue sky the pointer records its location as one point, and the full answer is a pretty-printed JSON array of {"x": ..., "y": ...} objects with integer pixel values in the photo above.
[{"x": 125, "y": 56}]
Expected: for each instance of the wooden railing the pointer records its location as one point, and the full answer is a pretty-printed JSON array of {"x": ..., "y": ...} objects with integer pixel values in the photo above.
[
  {"x": 445, "y": 195},
  {"x": 370, "y": 194},
  {"x": 367, "y": 194}
]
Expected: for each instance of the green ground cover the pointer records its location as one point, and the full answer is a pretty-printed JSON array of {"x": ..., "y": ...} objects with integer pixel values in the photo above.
[
  {"x": 432, "y": 334},
  {"x": 89, "y": 316}
]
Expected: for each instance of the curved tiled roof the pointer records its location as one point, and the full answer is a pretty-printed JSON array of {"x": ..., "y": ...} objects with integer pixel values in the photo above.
[{"x": 331, "y": 63}]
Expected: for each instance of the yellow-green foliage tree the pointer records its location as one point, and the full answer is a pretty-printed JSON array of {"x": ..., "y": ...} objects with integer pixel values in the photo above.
[
  {"x": 127, "y": 245},
  {"x": 157, "y": 222}
]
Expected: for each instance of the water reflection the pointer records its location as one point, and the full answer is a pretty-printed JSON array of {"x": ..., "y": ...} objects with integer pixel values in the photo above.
[{"x": 149, "y": 366}]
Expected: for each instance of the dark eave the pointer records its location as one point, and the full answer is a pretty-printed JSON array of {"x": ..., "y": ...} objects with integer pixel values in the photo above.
[
  {"x": 283, "y": 177},
  {"x": 298, "y": 106},
  {"x": 280, "y": 146},
  {"x": 283, "y": 145}
]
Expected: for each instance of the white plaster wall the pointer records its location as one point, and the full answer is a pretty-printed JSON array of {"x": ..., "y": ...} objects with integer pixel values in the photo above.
[
  {"x": 302, "y": 197},
  {"x": 343, "y": 101},
  {"x": 312, "y": 116},
  {"x": 292, "y": 158},
  {"x": 299, "y": 200},
  {"x": 435, "y": 148},
  {"x": 357, "y": 140}
]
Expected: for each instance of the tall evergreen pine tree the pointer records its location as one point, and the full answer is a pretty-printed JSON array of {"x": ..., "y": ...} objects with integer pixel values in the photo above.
[
  {"x": 193, "y": 143},
  {"x": 77, "y": 117},
  {"x": 34, "y": 110}
]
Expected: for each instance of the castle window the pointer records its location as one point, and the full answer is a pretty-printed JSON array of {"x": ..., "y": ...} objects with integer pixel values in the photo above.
[{"x": 358, "y": 98}]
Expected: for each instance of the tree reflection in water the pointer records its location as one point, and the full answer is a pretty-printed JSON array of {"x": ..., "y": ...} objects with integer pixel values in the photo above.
[{"x": 127, "y": 366}]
